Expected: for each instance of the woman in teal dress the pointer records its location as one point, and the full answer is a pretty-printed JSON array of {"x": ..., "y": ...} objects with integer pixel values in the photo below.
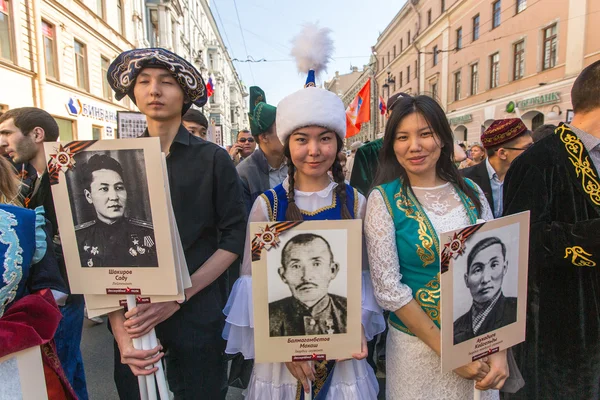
[{"x": 418, "y": 194}]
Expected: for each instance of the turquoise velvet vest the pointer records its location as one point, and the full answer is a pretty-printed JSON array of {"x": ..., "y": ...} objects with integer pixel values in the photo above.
[{"x": 418, "y": 247}]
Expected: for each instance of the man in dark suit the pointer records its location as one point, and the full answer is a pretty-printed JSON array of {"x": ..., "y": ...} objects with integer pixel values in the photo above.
[
  {"x": 504, "y": 141},
  {"x": 486, "y": 267},
  {"x": 307, "y": 267}
]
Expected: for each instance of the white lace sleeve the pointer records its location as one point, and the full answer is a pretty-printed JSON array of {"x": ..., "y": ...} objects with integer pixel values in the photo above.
[
  {"x": 380, "y": 233},
  {"x": 486, "y": 210}
]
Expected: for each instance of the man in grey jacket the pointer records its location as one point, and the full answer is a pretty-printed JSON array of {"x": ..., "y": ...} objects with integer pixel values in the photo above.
[{"x": 266, "y": 167}]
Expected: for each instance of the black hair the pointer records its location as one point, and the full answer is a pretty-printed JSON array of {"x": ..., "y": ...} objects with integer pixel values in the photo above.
[
  {"x": 542, "y": 131},
  {"x": 97, "y": 162},
  {"x": 196, "y": 116},
  {"x": 389, "y": 167},
  {"x": 585, "y": 93},
  {"x": 293, "y": 212},
  {"x": 29, "y": 118},
  {"x": 303, "y": 238},
  {"x": 482, "y": 245}
]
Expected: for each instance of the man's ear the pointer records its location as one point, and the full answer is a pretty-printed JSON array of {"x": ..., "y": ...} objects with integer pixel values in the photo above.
[
  {"x": 466, "y": 277},
  {"x": 38, "y": 134},
  {"x": 88, "y": 196},
  {"x": 281, "y": 271},
  {"x": 335, "y": 268}
]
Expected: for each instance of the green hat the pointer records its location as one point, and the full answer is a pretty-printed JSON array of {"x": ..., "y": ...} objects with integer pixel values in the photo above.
[{"x": 262, "y": 115}]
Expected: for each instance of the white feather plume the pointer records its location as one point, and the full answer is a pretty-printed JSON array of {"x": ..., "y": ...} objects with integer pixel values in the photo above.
[{"x": 312, "y": 48}]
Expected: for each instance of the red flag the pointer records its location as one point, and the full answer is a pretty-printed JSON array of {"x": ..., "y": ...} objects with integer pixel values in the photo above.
[{"x": 359, "y": 110}]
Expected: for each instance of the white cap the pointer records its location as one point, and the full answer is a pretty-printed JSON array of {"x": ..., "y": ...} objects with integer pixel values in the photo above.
[{"x": 310, "y": 106}]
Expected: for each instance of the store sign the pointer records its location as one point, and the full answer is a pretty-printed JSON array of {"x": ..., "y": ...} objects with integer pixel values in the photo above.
[
  {"x": 463, "y": 119},
  {"x": 549, "y": 98},
  {"x": 76, "y": 108}
]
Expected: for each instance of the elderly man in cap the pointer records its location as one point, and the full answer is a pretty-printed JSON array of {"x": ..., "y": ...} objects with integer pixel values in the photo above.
[
  {"x": 503, "y": 141},
  {"x": 196, "y": 123},
  {"x": 211, "y": 219},
  {"x": 266, "y": 167}
]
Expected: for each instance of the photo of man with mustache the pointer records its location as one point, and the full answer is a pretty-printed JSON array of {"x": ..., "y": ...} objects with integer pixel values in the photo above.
[
  {"x": 307, "y": 268},
  {"x": 112, "y": 239},
  {"x": 486, "y": 268}
]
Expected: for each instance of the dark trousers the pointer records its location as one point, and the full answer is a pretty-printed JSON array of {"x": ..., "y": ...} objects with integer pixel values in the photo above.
[{"x": 195, "y": 370}]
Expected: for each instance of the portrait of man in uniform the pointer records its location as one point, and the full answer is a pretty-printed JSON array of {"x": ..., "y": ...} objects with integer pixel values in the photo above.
[
  {"x": 112, "y": 238},
  {"x": 487, "y": 266},
  {"x": 307, "y": 268}
]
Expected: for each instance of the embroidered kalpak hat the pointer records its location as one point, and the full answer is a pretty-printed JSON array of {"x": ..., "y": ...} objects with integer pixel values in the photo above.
[
  {"x": 501, "y": 131},
  {"x": 124, "y": 70},
  {"x": 261, "y": 114},
  {"x": 311, "y": 106}
]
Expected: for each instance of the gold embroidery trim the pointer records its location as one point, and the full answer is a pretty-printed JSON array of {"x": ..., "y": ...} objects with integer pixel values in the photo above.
[
  {"x": 269, "y": 210},
  {"x": 320, "y": 376},
  {"x": 428, "y": 298},
  {"x": 401, "y": 328},
  {"x": 385, "y": 199},
  {"x": 355, "y": 203},
  {"x": 582, "y": 164},
  {"x": 579, "y": 257},
  {"x": 424, "y": 251}
]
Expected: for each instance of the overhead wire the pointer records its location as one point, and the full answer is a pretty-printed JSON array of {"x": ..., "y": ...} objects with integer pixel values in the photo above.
[{"x": 243, "y": 39}]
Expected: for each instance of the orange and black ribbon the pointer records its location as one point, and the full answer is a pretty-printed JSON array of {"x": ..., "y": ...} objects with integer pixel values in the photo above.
[
  {"x": 70, "y": 149},
  {"x": 279, "y": 228},
  {"x": 460, "y": 238}
]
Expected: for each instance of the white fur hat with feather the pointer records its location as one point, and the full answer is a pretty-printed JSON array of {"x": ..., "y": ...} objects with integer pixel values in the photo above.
[{"x": 311, "y": 106}]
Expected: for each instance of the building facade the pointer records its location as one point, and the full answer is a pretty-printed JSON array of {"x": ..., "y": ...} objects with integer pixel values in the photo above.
[
  {"x": 54, "y": 54},
  {"x": 347, "y": 86},
  {"x": 491, "y": 59}
]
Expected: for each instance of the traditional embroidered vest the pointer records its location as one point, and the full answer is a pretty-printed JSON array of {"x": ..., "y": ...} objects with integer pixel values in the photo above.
[
  {"x": 17, "y": 245},
  {"x": 277, "y": 200},
  {"x": 418, "y": 247}
]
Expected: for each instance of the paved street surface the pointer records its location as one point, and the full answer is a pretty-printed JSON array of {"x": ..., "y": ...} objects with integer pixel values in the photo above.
[{"x": 97, "y": 349}]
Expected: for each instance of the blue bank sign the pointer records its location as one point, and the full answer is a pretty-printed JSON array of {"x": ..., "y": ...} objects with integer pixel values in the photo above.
[{"x": 76, "y": 108}]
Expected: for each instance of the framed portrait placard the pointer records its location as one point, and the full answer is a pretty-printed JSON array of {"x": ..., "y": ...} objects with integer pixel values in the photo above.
[
  {"x": 483, "y": 289},
  {"x": 306, "y": 283},
  {"x": 109, "y": 195}
]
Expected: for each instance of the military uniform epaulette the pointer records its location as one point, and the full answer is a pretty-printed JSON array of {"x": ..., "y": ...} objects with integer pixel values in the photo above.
[
  {"x": 85, "y": 225},
  {"x": 142, "y": 223}
]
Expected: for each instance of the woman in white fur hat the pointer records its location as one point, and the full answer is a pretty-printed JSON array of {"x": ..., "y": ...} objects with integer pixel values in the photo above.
[{"x": 311, "y": 124}]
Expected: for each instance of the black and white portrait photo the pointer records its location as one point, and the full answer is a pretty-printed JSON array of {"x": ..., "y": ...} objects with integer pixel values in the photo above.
[
  {"x": 110, "y": 204},
  {"x": 307, "y": 284},
  {"x": 486, "y": 283}
]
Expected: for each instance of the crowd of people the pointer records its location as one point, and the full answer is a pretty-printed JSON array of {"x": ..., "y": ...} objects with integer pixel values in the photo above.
[{"x": 291, "y": 165}]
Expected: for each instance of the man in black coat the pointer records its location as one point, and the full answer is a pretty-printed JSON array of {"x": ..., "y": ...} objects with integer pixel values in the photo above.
[
  {"x": 504, "y": 141},
  {"x": 486, "y": 267}
]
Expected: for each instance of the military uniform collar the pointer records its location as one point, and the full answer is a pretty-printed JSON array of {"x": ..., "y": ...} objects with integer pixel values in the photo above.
[{"x": 316, "y": 309}]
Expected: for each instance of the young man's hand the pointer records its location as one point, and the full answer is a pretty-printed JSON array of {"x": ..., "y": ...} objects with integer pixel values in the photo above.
[{"x": 144, "y": 317}]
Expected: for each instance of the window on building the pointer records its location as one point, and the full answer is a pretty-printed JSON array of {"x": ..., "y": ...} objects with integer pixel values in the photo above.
[
  {"x": 80, "y": 64},
  {"x": 434, "y": 90},
  {"x": 154, "y": 38},
  {"x": 101, "y": 8},
  {"x": 457, "y": 84},
  {"x": 388, "y": 57},
  {"x": 476, "y": 27},
  {"x": 120, "y": 18},
  {"x": 96, "y": 132},
  {"x": 429, "y": 17},
  {"x": 174, "y": 35},
  {"x": 521, "y": 5},
  {"x": 435, "y": 55},
  {"x": 401, "y": 45},
  {"x": 5, "y": 30},
  {"x": 519, "y": 60},
  {"x": 394, "y": 51},
  {"x": 400, "y": 79},
  {"x": 65, "y": 127},
  {"x": 494, "y": 70},
  {"x": 382, "y": 63},
  {"x": 416, "y": 69},
  {"x": 49, "y": 48},
  {"x": 408, "y": 38},
  {"x": 550, "y": 46},
  {"x": 443, "y": 5},
  {"x": 408, "y": 74},
  {"x": 474, "y": 78},
  {"x": 496, "y": 11},
  {"x": 106, "y": 91},
  {"x": 459, "y": 38}
]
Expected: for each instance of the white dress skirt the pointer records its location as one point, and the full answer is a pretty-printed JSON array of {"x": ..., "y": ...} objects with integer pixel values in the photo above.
[
  {"x": 352, "y": 379},
  {"x": 413, "y": 369}
]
